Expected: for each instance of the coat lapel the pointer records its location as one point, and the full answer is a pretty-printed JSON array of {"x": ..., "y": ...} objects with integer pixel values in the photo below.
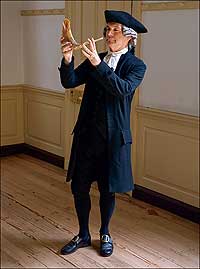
[{"x": 122, "y": 59}]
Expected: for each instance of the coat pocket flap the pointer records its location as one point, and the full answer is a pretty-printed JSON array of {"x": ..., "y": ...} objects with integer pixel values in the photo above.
[{"x": 126, "y": 135}]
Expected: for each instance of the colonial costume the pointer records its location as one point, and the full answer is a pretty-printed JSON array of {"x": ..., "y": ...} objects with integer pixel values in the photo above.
[{"x": 101, "y": 149}]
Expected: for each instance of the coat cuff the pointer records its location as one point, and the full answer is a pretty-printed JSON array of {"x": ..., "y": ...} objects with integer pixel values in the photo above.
[{"x": 64, "y": 65}]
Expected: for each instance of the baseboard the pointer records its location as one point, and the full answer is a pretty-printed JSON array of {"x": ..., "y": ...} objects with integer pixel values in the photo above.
[
  {"x": 11, "y": 149},
  {"x": 32, "y": 151},
  {"x": 172, "y": 205}
]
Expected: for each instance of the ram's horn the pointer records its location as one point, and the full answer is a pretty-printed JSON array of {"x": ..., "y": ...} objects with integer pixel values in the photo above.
[
  {"x": 67, "y": 33},
  {"x": 68, "y": 37}
]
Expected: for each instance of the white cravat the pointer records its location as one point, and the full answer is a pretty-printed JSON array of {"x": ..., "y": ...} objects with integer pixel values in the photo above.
[{"x": 112, "y": 58}]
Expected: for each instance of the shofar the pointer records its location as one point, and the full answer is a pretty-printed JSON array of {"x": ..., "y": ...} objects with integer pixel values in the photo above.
[{"x": 68, "y": 37}]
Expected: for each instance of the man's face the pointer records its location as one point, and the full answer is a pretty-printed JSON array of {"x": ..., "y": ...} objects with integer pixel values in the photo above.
[{"x": 114, "y": 37}]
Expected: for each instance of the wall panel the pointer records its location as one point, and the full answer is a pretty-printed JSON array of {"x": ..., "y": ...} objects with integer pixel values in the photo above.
[
  {"x": 44, "y": 119},
  {"x": 168, "y": 154},
  {"x": 12, "y": 125}
]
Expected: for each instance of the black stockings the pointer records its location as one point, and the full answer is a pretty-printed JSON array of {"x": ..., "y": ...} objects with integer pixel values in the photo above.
[{"x": 83, "y": 205}]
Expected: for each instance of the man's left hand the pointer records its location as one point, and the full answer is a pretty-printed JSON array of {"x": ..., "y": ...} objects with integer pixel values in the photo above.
[{"x": 91, "y": 52}]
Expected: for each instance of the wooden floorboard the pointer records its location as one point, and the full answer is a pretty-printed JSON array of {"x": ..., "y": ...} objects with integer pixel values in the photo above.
[{"x": 38, "y": 218}]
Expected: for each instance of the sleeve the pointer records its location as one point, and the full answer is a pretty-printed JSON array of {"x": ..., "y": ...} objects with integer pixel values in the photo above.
[
  {"x": 116, "y": 85},
  {"x": 71, "y": 77}
]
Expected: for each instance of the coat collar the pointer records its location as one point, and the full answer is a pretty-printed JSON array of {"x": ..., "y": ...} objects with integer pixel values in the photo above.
[
  {"x": 127, "y": 54},
  {"x": 122, "y": 58}
]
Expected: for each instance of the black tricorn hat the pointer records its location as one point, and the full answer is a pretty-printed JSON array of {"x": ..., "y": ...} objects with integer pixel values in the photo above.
[{"x": 125, "y": 19}]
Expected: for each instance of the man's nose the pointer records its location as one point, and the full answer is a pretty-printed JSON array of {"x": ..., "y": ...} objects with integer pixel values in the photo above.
[{"x": 109, "y": 33}]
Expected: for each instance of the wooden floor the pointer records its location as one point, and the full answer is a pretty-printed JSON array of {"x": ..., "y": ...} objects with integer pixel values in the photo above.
[{"x": 38, "y": 218}]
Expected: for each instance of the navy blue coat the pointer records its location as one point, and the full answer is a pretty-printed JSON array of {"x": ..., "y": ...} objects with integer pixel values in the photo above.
[{"x": 119, "y": 87}]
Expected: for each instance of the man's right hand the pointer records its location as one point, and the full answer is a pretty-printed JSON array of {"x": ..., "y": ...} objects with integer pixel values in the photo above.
[{"x": 67, "y": 50}]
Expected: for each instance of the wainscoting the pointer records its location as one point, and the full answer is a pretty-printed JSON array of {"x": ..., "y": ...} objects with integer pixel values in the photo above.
[
  {"x": 33, "y": 116},
  {"x": 12, "y": 115},
  {"x": 167, "y": 154},
  {"x": 44, "y": 119}
]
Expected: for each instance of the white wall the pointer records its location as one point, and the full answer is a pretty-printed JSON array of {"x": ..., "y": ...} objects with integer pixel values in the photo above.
[
  {"x": 11, "y": 43},
  {"x": 171, "y": 52},
  {"x": 42, "y": 53},
  {"x": 30, "y": 50}
]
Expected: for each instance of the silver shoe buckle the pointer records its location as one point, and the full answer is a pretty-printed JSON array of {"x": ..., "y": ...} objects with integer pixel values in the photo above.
[
  {"x": 75, "y": 239},
  {"x": 105, "y": 238}
]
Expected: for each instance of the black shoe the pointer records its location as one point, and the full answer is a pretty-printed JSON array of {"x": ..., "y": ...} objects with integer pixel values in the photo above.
[
  {"x": 74, "y": 244},
  {"x": 106, "y": 245}
]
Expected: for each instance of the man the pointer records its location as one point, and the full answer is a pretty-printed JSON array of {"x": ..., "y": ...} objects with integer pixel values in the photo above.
[{"x": 101, "y": 148}]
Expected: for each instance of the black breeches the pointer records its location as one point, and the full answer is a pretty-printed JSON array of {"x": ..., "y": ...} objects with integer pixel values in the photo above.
[{"x": 91, "y": 162}]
